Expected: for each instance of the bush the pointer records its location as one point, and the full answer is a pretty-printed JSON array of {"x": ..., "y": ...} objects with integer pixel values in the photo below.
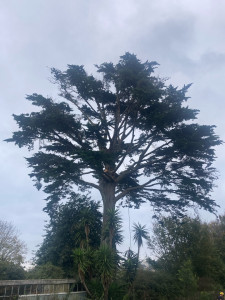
[
  {"x": 11, "y": 271},
  {"x": 47, "y": 271}
]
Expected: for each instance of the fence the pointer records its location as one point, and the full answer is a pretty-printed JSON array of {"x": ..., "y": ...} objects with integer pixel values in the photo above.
[{"x": 41, "y": 289}]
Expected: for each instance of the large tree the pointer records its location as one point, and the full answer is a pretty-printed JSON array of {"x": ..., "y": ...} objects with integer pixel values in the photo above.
[{"x": 124, "y": 133}]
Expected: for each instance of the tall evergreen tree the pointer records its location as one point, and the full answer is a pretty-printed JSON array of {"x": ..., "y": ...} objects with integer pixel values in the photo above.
[{"x": 124, "y": 133}]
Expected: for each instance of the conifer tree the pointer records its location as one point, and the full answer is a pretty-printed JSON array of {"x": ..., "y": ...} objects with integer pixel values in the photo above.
[{"x": 124, "y": 133}]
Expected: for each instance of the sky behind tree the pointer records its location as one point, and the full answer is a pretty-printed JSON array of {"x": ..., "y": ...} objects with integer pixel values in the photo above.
[{"x": 185, "y": 37}]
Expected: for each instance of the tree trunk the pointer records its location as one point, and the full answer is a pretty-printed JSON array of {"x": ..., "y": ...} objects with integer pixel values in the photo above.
[
  {"x": 82, "y": 279},
  {"x": 108, "y": 197},
  {"x": 106, "y": 292}
]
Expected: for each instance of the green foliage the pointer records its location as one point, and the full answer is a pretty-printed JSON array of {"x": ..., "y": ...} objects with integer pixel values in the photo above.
[
  {"x": 131, "y": 137},
  {"x": 140, "y": 233},
  {"x": 67, "y": 229},
  {"x": 187, "y": 280},
  {"x": 155, "y": 285},
  {"x": 112, "y": 231},
  {"x": 96, "y": 289},
  {"x": 129, "y": 267},
  {"x": 128, "y": 130},
  {"x": 188, "y": 252},
  {"x": 84, "y": 260},
  {"x": 176, "y": 241},
  {"x": 11, "y": 271},
  {"x": 116, "y": 291},
  {"x": 217, "y": 229},
  {"x": 95, "y": 266},
  {"x": 106, "y": 262},
  {"x": 99, "y": 265},
  {"x": 46, "y": 271}
]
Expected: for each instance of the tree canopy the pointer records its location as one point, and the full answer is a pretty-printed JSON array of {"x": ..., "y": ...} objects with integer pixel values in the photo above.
[{"x": 123, "y": 132}]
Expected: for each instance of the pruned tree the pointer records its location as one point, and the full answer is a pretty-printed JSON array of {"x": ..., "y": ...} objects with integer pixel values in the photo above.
[
  {"x": 12, "y": 249},
  {"x": 124, "y": 133}
]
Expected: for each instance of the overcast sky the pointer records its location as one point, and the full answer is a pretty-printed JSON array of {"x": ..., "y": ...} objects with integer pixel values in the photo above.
[{"x": 186, "y": 37}]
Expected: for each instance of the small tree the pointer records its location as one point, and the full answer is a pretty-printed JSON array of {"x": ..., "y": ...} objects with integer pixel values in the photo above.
[
  {"x": 129, "y": 269},
  {"x": 106, "y": 262},
  {"x": 100, "y": 264},
  {"x": 12, "y": 249},
  {"x": 126, "y": 134},
  {"x": 76, "y": 223}
]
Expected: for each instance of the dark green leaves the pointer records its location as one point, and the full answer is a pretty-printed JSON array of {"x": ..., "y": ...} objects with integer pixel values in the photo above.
[{"x": 127, "y": 128}]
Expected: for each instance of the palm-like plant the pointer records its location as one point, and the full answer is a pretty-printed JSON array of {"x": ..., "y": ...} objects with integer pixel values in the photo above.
[
  {"x": 140, "y": 233},
  {"x": 105, "y": 259},
  {"x": 83, "y": 228},
  {"x": 130, "y": 264},
  {"x": 112, "y": 231},
  {"x": 83, "y": 259}
]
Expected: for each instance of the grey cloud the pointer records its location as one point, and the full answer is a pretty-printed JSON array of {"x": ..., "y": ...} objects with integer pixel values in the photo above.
[{"x": 35, "y": 35}]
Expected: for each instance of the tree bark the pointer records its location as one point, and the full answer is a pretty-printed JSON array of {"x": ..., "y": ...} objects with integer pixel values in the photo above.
[
  {"x": 107, "y": 190},
  {"x": 106, "y": 293}
]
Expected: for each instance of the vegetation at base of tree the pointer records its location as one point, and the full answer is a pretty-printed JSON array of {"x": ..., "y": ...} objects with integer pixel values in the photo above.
[
  {"x": 45, "y": 271},
  {"x": 101, "y": 264},
  {"x": 188, "y": 256},
  {"x": 71, "y": 225},
  {"x": 188, "y": 263},
  {"x": 124, "y": 133},
  {"x": 11, "y": 271}
]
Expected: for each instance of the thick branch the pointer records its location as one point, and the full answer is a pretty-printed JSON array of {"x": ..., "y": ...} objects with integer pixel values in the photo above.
[
  {"x": 117, "y": 120},
  {"x": 137, "y": 165},
  {"x": 133, "y": 188},
  {"x": 104, "y": 122},
  {"x": 90, "y": 184},
  {"x": 126, "y": 153}
]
